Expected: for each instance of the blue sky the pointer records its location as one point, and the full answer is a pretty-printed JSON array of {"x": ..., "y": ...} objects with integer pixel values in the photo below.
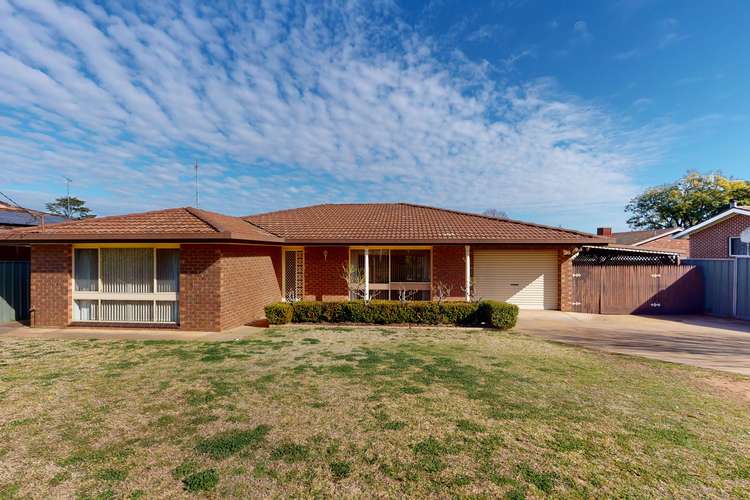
[{"x": 555, "y": 112}]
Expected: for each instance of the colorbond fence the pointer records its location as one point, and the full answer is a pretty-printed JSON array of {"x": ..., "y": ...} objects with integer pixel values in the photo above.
[
  {"x": 727, "y": 291},
  {"x": 659, "y": 289},
  {"x": 14, "y": 291}
]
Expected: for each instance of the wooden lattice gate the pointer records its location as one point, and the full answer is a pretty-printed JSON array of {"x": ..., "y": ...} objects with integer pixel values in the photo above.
[{"x": 660, "y": 289}]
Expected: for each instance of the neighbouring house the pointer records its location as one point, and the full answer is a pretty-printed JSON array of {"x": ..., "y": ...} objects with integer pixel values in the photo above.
[
  {"x": 719, "y": 236},
  {"x": 201, "y": 270},
  {"x": 12, "y": 217},
  {"x": 649, "y": 239}
]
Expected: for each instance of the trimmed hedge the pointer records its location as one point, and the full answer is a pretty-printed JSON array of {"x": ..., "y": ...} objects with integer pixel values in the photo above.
[
  {"x": 279, "y": 313},
  {"x": 496, "y": 314}
]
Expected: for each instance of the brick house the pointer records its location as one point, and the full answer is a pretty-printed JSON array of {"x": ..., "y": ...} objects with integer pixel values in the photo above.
[
  {"x": 719, "y": 236},
  {"x": 649, "y": 239},
  {"x": 198, "y": 270}
]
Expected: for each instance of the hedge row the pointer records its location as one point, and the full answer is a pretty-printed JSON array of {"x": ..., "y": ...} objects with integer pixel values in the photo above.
[{"x": 489, "y": 313}]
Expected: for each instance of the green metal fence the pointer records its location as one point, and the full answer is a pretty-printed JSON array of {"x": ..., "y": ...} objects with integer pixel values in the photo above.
[{"x": 14, "y": 291}]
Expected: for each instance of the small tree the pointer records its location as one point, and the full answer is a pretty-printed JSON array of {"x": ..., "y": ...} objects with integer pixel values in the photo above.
[
  {"x": 405, "y": 295},
  {"x": 71, "y": 207},
  {"x": 355, "y": 282},
  {"x": 442, "y": 291},
  {"x": 470, "y": 292}
]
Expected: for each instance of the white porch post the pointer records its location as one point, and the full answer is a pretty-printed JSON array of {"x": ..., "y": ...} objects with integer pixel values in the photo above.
[
  {"x": 367, "y": 274},
  {"x": 467, "y": 249}
]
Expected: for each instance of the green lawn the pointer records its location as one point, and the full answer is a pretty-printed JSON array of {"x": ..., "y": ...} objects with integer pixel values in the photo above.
[{"x": 301, "y": 411}]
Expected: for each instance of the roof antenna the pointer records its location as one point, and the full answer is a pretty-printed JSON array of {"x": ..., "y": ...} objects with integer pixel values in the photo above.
[
  {"x": 68, "y": 180},
  {"x": 196, "y": 184}
]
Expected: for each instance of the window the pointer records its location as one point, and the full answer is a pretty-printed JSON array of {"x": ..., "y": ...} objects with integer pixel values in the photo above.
[
  {"x": 126, "y": 285},
  {"x": 737, "y": 248},
  {"x": 396, "y": 273}
]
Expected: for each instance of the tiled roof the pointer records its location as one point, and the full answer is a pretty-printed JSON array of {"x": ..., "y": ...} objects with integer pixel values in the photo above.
[
  {"x": 633, "y": 237},
  {"x": 405, "y": 223},
  {"x": 170, "y": 224}
]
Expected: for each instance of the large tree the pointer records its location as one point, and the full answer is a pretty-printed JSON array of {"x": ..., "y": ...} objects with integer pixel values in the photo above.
[
  {"x": 686, "y": 202},
  {"x": 70, "y": 207}
]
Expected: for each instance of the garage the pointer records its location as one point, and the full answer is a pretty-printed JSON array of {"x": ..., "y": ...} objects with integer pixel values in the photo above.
[{"x": 527, "y": 278}]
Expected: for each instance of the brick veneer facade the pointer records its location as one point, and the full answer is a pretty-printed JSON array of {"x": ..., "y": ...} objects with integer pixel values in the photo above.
[
  {"x": 51, "y": 285},
  {"x": 221, "y": 286},
  {"x": 200, "y": 287},
  {"x": 224, "y": 286},
  {"x": 565, "y": 278},
  {"x": 250, "y": 280},
  {"x": 712, "y": 242},
  {"x": 449, "y": 268},
  {"x": 323, "y": 270}
]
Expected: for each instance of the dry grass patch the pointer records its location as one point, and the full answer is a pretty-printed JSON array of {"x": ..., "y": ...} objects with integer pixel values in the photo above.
[{"x": 357, "y": 412}]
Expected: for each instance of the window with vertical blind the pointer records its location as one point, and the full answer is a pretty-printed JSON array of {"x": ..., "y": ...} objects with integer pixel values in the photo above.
[{"x": 126, "y": 285}]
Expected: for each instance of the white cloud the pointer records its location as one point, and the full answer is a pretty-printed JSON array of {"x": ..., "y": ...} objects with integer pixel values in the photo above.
[{"x": 291, "y": 105}]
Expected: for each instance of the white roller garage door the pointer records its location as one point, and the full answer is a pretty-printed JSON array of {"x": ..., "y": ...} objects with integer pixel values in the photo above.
[{"x": 527, "y": 278}]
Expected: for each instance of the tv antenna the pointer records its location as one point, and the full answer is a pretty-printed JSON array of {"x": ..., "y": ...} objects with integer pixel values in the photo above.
[
  {"x": 68, "y": 180},
  {"x": 196, "y": 184}
]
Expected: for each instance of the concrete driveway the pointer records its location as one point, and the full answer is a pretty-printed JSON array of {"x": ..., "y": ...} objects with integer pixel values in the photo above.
[{"x": 701, "y": 341}]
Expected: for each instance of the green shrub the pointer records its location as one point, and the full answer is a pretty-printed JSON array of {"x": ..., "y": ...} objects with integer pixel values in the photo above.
[
  {"x": 279, "y": 313},
  {"x": 498, "y": 314},
  {"x": 384, "y": 312}
]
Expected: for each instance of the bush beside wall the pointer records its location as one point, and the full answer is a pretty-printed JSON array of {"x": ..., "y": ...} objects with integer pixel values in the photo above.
[{"x": 490, "y": 313}]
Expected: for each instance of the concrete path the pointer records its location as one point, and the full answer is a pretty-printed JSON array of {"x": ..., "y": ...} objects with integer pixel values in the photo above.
[
  {"x": 701, "y": 341},
  {"x": 17, "y": 330}
]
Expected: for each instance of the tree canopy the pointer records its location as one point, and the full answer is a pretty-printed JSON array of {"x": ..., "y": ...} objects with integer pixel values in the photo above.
[
  {"x": 686, "y": 202},
  {"x": 72, "y": 208}
]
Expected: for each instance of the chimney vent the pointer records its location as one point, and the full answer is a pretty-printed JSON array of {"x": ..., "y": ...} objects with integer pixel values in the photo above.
[
  {"x": 732, "y": 203},
  {"x": 604, "y": 231}
]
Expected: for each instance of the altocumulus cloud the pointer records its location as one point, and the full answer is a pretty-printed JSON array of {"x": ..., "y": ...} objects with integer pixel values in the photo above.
[{"x": 286, "y": 104}]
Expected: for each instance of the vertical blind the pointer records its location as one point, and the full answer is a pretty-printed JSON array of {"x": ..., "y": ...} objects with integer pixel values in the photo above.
[
  {"x": 87, "y": 270},
  {"x": 126, "y": 271}
]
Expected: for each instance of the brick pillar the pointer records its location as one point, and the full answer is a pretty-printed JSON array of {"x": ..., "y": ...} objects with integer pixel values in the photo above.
[
  {"x": 51, "y": 285},
  {"x": 200, "y": 287},
  {"x": 565, "y": 278}
]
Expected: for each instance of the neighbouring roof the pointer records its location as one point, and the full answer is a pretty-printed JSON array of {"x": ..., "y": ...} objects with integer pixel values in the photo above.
[
  {"x": 15, "y": 216},
  {"x": 639, "y": 237},
  {"x": 731, "y": 212},
  {"x": 629, "y": 249},
  {"x": 406, "y": 223},
  {"x": 174, "y": 224}
]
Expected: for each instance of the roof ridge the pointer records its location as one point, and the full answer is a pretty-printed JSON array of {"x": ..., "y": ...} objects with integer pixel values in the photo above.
[{"x": 193, "y": 211}]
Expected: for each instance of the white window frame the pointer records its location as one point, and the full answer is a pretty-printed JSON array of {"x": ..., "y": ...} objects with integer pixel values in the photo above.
[
  {"x": 395, "y": 285},
  {"x": 745, "y": 256},
  {"x": 99, "y": 296},
  {"x": 284, "y": 250}
]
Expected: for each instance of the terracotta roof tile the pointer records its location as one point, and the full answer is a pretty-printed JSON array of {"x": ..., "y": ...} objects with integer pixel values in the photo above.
[
  {"x": 633, "y": 237},
  {"x": 170, "y": 224},
  {"x": 403, "y": 222}
]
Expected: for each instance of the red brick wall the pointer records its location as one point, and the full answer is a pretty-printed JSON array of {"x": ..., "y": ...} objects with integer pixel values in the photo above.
[
  {"x": 449, "y": 267},
  {"x": 565, "y": 278},
  {"x": 250, "y": 280},
  {"x": 669, "y": 244},
  {"x": 200, "y": 286},
  {"x": 713, "y": 241},
  {"x": 51, "y": 285},
  {"x": 323, "y": 269}
]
